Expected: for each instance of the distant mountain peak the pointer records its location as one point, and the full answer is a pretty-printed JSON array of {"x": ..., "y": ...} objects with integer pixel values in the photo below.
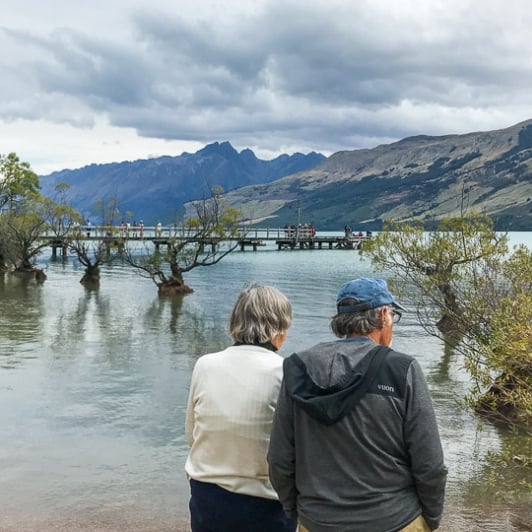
[
  {"x": 224, "y": 149},
  {"x": 157, "y": 188}
]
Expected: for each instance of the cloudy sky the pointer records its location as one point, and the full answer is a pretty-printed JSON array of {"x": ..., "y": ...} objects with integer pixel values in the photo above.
[{"x": 114, "y": 80}]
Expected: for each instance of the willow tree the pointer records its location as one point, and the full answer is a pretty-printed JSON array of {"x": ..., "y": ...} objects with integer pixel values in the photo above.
[
  {"x": 502, "y": 368},
  {"x": 21, "y": 239},
  {"x": 64, "y": 225},
  {"x": 93, "y": 253},
  {"x": 107, "y": 209},
  {"x": 208, "y": 234},
  {"x": 18, "y": 184},
  {"x": 22, "y": 220},
  {"x": 62, "y": 219},
  {"x": 463, "y": 280}
]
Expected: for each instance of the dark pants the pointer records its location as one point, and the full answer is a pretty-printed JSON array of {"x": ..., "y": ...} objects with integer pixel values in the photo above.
[{"x": 213, "y": 509}]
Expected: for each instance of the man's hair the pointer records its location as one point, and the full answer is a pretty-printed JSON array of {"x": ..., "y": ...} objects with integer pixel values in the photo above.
[
  {"x": 260, "y": 313},
  {"x": 363, "y": 323}
]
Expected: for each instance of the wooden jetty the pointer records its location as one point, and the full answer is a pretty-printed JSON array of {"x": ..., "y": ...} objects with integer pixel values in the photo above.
[
  {"x": 248, "y": 238},
  {"x": 294, "y": 238}
]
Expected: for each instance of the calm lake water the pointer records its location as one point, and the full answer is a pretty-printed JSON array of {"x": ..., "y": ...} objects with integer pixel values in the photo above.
[{"x": 94, "y": 384}]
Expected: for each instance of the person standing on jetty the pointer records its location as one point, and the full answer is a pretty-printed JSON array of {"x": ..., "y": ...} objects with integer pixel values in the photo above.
[
  {"x": 354, "y": 444},
  {"x": 231, "y": 402}
]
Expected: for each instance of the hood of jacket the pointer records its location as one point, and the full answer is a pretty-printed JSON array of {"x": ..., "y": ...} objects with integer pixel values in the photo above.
[{"x": 329, "y": 379}]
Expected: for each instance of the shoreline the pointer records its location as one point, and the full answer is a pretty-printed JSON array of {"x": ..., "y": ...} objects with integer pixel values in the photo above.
[
  {"x": 117, "y": 524},
  {"x": 488, "y": 521}
]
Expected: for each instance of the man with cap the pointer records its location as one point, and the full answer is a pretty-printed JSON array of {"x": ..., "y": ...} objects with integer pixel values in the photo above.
[{"x": 354, "y": 444}]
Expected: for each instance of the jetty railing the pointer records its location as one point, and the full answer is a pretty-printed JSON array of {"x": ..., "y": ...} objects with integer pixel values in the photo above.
[
  {"x": 174, "y": 231},
  {"x": 289, "y": 237}
]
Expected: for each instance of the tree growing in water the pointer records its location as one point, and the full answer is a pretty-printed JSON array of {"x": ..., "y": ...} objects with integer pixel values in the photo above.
[
  {"x": 18, "y": 186},
  {"x": 203, "y": 239},
  {"x": 25, "y": 216},
  {"x": 17, "y": 182},
  {"x": 476, "y": 296},
  {"x": 92, "y": 254},
  {"x": 20, "y": 239}
]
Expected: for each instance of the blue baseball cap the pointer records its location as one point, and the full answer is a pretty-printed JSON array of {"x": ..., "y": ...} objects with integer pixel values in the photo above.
[{"x": 368, "y": 293}]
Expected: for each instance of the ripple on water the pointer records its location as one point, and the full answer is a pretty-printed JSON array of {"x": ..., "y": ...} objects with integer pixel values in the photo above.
[{"x": 96, "y": 384}]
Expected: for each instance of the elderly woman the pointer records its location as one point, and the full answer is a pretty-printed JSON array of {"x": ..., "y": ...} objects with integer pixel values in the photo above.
[{"x": 232, "y": 399}]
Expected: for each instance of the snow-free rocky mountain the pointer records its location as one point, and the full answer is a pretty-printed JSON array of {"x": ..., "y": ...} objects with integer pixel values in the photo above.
[
  {"x": 156, "y": 189},
  {"x": 421, "y": 176}
]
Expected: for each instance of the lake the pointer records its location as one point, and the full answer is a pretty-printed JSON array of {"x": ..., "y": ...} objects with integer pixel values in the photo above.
[{"x": 94, "y": 384}]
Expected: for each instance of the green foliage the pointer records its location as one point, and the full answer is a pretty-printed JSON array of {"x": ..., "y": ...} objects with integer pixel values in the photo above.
[
  {"x": 61, "y": 219},
  {"x": 507, "y": 351},
  {"x": 107, "y": 209},
  {"x": 17, "y": 181},
  {"x": 25, "y": 215},
  {"x": 20, "y": 214},
  {"x": 471, "y": 292},
  {"x": 448, "y": 268},
  {"x": 20, "y": 234}
]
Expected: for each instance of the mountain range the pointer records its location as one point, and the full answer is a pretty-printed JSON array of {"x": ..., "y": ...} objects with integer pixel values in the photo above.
[
  {"x": 423, "y": 177},
  {"x": 157, "y": 189}
]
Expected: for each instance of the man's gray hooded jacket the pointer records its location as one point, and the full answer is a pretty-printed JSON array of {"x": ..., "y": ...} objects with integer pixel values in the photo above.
[{"x": 354, "y": 444}]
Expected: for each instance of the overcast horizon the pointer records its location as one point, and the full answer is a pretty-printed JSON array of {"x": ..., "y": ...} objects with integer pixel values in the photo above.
[{"x": 129, "y": 79}]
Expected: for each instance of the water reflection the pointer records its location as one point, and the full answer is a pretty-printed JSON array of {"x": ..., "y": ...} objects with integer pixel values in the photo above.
[
  {"x": 21, "y": 315},
  {"x": 21, "y": 307},
  {"x": 191, "y": 328},
  {"x": 441, "y": 374},
  {"x": 69, "y": 327},
  {"x": 497, "y": 494},
  {"x": 167, "y": 311},
  {"x": 505, "y": 474},
  {"x": 92, "y": 423}
]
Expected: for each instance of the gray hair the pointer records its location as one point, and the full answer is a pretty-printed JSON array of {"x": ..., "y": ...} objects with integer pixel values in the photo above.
[
  {"x": 363, "y": 323},
  {"x": 260, "y": 313}
]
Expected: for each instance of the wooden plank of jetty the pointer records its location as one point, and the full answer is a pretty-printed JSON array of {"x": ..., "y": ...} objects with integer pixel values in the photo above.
[{"x": 249, "y": 238}]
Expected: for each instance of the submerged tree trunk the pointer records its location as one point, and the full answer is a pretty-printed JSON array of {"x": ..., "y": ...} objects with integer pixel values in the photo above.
[
  {"x": 497, "y": 405},
  {"x": 449, "y": 321},
  {"x": 40, "y": 276},
  {"x": 91, "y": 278},
  {"x": 3, "y": 265},
  {"x": 173, "y": 287},
  {"x": 26, "y": 268}
]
